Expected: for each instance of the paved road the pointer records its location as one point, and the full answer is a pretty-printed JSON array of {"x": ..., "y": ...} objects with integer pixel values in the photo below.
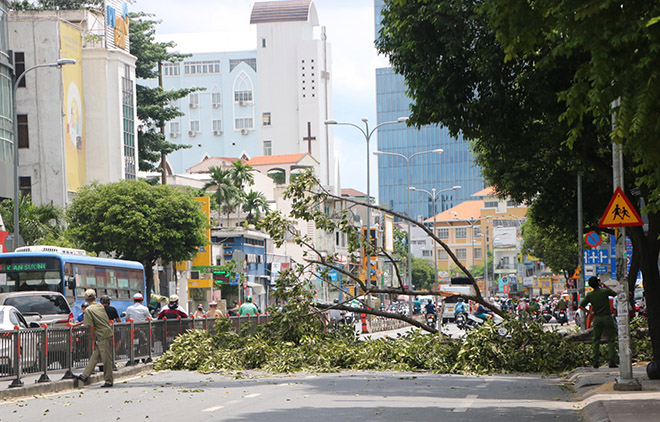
[{"x": 348, "y": 396}]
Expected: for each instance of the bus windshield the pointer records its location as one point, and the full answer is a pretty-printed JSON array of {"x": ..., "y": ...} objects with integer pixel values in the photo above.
[{"x": 30, "y": 274}]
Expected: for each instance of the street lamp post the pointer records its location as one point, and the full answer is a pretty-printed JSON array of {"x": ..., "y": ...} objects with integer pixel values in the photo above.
[
  {"x": 434, "y": 197},
  {"x": 367, "y": 137},
  {"x": 408, "y": 159},
  {"x": 17, "y": 81}
]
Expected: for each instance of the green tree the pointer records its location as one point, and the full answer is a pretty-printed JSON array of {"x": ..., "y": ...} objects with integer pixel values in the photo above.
[
  {"x": 555, "y": 248},
  {"x": 36, "y": 222},
  {"x": 531, "y": 86},
  {"x": 225, "y": 189},
  {"x": 242, "y": 178},
  {"x": 154, "y": 105},
  {"x": 136, "y": 221},
  {"x": 254, "y": 204},
  {"x": 422, "y": 274}
]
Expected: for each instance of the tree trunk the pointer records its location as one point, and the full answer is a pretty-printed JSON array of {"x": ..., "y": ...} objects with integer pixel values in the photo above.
[
  {"x": 149, "y": 274},
  {"x": 650, "y": 246}
]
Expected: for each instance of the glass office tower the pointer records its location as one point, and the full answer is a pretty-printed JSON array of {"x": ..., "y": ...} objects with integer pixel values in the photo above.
[{"x": 454, "y": 166}]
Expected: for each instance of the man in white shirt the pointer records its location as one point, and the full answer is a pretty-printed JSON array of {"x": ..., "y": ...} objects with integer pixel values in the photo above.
[{"x": 137, "y": 311}]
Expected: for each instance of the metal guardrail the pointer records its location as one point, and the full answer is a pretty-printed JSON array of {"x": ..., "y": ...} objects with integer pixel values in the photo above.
[{"x": 48, "y": 349}]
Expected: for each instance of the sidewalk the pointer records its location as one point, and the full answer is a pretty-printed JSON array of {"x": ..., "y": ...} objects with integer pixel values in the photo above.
[
  {"x": 31, "y": 388},
  {"x": 601, "y": 403}
]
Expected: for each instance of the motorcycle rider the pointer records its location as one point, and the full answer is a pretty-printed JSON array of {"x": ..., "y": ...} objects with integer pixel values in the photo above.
[
  {"x": 430, "y": 310},
  {"x": 335, "y": 315},
  {"x": 459, "y": 308},
  {"x": 483, "y": 312}
]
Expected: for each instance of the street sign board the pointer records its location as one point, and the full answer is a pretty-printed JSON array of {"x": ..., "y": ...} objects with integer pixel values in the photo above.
[
  {"x": 620, "y": 212},
  {"x": 592, "y": 239},
  {"x": 596, "y": 256}
]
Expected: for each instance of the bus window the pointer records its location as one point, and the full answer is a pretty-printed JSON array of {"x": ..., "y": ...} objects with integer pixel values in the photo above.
[{"x": 136, "y": 280}]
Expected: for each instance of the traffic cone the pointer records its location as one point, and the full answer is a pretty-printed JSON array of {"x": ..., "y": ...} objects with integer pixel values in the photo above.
[{"x": 365, "y": 329}]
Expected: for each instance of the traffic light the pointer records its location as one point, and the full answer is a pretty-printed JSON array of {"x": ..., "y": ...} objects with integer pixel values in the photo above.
[{"x": 373, "y": 270}]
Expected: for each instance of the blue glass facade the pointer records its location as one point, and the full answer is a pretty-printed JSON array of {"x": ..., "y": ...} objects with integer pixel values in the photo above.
[{"x": 455, "y": 166}]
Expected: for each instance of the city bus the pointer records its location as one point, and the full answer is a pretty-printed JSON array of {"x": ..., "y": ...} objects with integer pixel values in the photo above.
[{"x": 71, "y": 272}]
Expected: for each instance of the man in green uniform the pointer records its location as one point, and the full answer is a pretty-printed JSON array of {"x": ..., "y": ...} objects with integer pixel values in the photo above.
[
  {"x": 248, "y": 308},
  {"x": 603, "y": 323},
  {"x": 100, "y": 329}
]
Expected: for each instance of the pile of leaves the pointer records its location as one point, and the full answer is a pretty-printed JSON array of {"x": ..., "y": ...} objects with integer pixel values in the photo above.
[{"x": 513, "y": 346}]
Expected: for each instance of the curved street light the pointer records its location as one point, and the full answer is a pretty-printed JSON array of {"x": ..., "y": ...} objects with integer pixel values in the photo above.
[
  {"x": 434, "y": 197},
  {"x": 17, "y": 80}
]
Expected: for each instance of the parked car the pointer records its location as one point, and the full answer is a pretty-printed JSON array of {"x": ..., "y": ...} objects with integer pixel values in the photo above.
[
  {"x": 10, "y": 317},
  {"x": 43, "y": 307}
]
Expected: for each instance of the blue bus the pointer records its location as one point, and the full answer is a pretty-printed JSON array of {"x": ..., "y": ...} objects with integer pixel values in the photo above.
[{"x": 71, "y": 272}]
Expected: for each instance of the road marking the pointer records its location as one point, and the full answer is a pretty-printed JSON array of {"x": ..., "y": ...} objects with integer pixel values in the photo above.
[
  {"x": 249, "y": 396},
  {"x": 465, "y": 403},
  {"x": 212, "y": 409},
  {"x": 485, "y": 384}
]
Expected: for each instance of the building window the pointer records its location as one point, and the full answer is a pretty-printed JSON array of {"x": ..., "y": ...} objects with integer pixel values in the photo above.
[
  {"x": 427, "y": 254},
  {"x": 194, "y": 126},
  {"x": 461, "y": 232},
  {"x": 490, "y": 204},
  {"x": 477, "y": 253},
  {"x": 217, "y": 125},
  {"x": 461, "y": 253},
  {"x": 268, "y": 147},
  {"x": 243, "y": 123},
  {"x": 263, "y": 42},
  {"x": 443, "y": 233},
  {"x": 243, "y": 96},
  {"x": 193, "y": 98},
  {"x": 442, "y": 255},
  {"x": 201, "y": 68},
  {"x": 216, "y": 99},
  {"x": 23, "y": 133},
  {"x": 512, "y": 204},
  {"x": 175, "y": 127},
  {"x": 25, "y": 185},
  {"x": 242, "y": 89},
  {"x": 128, "y": 111},
  {"x": 266, "y": 119},
  {"x": 476, "y": 231},
  {"x": 171, "y": 69},
  {"x": 19, "y": 66},
  {"x": 250, "y": 62}
]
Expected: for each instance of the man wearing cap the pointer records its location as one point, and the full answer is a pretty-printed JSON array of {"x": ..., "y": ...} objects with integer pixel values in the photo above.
[
  {"x": 172, "y": 310},
  {"x": 137, "y": 311},
  {"x": 113, "y": 315},
  {"x": 100, "y": 329},
  {"x": 603, "y": 323},
  {"x": 213, "y": 312}
]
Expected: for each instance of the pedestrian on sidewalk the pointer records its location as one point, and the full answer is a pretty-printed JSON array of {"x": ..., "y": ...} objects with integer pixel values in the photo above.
[
  {"x": 101, "y": 331},
  {"x": 603, "y": 323}
]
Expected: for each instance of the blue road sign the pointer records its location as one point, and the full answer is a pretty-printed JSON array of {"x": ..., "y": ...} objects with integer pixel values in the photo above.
[{"x": 596, "y": 256}]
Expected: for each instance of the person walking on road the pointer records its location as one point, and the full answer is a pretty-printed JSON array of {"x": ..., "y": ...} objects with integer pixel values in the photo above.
[
  {"x": 603, "y": 323},
  {"x": 248, "y": 308},
  {"x": 101, "y": 331},
  {"x": 137, "y": 311}
]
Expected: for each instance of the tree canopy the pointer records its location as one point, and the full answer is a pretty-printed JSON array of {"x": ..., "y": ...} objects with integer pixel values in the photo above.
[{"x": 136, "y": 221}]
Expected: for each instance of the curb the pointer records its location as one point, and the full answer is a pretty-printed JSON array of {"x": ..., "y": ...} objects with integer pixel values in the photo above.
[
  {"x": 596, "y": 412},
  {"x": 69, "y": 384}
]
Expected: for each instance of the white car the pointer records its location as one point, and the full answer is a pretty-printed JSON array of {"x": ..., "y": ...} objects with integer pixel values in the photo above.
[{"x": 10, "y": 317}]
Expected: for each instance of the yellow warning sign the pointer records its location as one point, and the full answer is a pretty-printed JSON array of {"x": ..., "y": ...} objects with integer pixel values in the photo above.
[{"x": 620, "y": 212}]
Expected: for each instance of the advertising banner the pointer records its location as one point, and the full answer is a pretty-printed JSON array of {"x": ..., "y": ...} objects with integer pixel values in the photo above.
[
  {"x": 203, "y": 257},
  {"x": 74, "y": 108}
]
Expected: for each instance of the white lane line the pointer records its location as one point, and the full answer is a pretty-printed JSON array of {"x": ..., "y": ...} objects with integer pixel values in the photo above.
[
  {"x": 212, "y": 409},
  {"x": 465, "y": 403},
  {"x": 484, "y": 384},
  {"x": 249, "y": 396}
]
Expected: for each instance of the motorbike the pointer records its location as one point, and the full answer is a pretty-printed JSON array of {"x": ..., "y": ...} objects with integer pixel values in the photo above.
[
  {"x": 561, "y": 317},
  {"x": 461, "y": 321},
  {"x": 348, "y": 318},
  {"x": 547, "y": 315},
  {"x": 431, "y": 320}
]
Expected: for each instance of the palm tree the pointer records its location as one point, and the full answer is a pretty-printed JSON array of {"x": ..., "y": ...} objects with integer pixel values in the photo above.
[
  {"x": 35, "y": 221},
  {"x": 254, "y": 203},
  {"x": 226, "y": 191},
  {"x": 242, "y": 177}
]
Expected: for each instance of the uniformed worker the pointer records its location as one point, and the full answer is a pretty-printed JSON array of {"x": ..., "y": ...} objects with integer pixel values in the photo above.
[
  {"x": 603, "y": 322},
  {"x": 100, "y": 329}
]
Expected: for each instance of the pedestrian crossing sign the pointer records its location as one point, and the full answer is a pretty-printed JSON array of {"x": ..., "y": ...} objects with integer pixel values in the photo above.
[{"x": 620, "y": 212}]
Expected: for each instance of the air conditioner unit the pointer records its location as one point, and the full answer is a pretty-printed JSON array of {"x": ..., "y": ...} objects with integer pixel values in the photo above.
[
  {"x": 174, "y": 134},
  {"x": 216, "y": 105},
  {"x": 191, "y": 133},
  {"x": 217, "y": 132},
  {"x": 244, "y": 131},
  {"x": 242, "y": 103},
  {"x": 193, "y": 105}
]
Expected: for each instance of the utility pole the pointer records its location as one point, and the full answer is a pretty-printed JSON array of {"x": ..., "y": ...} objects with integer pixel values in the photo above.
[
  {"x": 625, "y": 381},
  {"x": 580, "y": 221},
  {"x": 163, "y": 156}
]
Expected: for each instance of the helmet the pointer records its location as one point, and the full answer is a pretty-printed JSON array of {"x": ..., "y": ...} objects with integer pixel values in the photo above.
[
  {"x": 248, "y": 299},
  {"x": 460, "y": 299},
  {"x": 174, "y": 298},
  {"x": 335, "y": 301},
  {"x": 105, "y": 299},
  {"x": 213, "y": 303},
  {"x": 138, "y": 296}
]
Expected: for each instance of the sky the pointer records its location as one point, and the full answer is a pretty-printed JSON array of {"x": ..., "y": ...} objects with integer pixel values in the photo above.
[{"x": 198, "y": 26}]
